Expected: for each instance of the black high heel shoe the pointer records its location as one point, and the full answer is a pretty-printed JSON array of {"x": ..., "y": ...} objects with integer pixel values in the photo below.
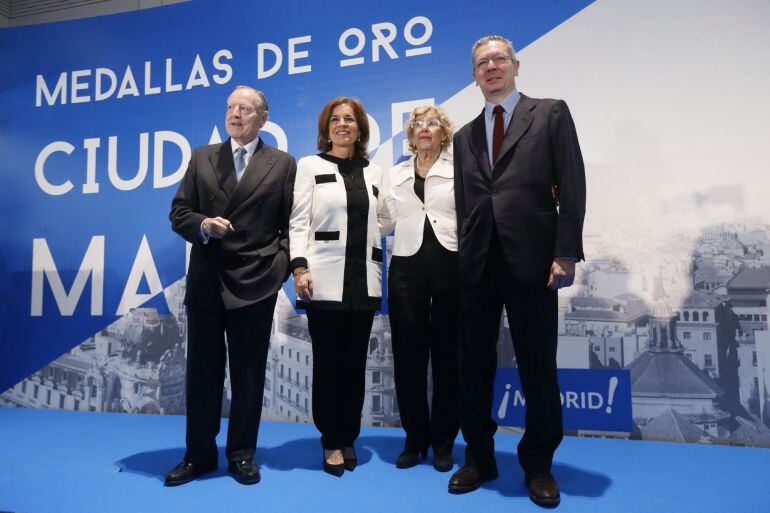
[
  {"x": 409, "y": 458},
  {"x": 335, "y": 469},
  {"x": 349, "y": 463}
]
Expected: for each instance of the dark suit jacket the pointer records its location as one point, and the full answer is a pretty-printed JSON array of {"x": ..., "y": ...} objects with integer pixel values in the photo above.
[
  {"x": 251, "y": 263},
  {"x": 540, "y": 150}
]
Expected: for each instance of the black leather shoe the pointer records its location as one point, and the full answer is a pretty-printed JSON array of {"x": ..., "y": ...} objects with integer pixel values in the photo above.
[
  {"x": 245, "y": 471},
  {"x": 410, "y": 458},
  {"x": 349, "y": 462},
  {"x": 543, "y": 489},
  {"x": 186, "y": 472},
  {"x": 443, "y": 461},
  {"x": 469, "y": 478},
  {"x": 335, "y": 469}
]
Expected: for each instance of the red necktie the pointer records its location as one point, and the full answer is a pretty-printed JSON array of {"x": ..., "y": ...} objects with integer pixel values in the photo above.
[{"x": 498, "y": 133}]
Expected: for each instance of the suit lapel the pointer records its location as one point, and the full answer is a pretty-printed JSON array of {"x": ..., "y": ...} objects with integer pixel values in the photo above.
[
  {"x": 479, "y": 144},
  {"x": 256, "y": 171},
  {"x": 224, "y": 168},
  {"x": 522, "y": 119}
]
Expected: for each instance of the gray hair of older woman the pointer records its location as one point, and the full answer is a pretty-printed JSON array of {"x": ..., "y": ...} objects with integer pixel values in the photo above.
[{"x": 446, "y": 125}]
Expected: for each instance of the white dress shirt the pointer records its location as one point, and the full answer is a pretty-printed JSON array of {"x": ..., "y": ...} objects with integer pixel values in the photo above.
[{"x": 250, "y": 149}]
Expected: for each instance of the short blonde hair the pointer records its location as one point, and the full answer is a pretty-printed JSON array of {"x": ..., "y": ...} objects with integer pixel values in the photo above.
[{"x": 446, "y": 125}]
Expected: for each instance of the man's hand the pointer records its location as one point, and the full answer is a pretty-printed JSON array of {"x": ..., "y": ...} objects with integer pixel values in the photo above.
[
  {"x": 562, "y": 273},
  {"x": 216, "y": 227},
  {"x": 303, "y": 284}
]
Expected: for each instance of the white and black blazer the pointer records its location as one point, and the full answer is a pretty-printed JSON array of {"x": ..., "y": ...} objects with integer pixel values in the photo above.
[
  {"x": 408, "y": 211},
  {"x": 319, "y": 223}
]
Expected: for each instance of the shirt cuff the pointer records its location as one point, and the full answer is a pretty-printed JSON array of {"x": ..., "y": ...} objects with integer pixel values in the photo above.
[{"x": 203, "y": 236}]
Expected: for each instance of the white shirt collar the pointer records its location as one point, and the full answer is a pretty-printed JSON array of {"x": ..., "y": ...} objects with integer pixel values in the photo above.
[{"x": 250, "y": 147}]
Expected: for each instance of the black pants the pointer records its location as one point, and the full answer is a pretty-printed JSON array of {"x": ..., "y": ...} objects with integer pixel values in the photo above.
[
  {"x": 532, "y": 317},
  {"x": 248, "y": 339},
  {"x": 340, "y": 342},
  {"x": 422, "y": 300}
]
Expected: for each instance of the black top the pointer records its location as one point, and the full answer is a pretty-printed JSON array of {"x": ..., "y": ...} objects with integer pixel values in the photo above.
[
  {"x": 355, "y": 294},
  {"x": 419, "y": 185}
]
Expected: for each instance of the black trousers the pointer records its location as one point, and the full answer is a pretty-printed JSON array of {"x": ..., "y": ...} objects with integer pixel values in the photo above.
[
  {"x": 532, "y": 316},
  {"x": 340, "y": 341},
  {"x": 423, "y": 305},
  {"x": 248, "y": 338}
]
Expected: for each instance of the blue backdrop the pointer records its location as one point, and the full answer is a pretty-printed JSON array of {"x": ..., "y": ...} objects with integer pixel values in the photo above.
[{"x": 78, "y": 95}]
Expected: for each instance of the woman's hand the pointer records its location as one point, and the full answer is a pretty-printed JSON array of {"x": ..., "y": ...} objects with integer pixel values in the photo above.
[{"x": 303, "y": 283}]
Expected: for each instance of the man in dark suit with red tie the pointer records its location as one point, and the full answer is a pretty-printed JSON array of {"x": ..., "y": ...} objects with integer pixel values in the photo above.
[
  {"x": 520, "y": 197},
  {"x": 233, "y": 206}
]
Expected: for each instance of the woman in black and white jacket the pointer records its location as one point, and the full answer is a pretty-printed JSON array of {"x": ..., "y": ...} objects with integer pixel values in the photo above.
[
  {"x": 334, "y": 242},
  {"x": 422, "y": 288}
]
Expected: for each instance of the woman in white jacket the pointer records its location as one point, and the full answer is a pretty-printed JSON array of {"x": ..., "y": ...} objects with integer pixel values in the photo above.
[
  {"x": 334, "y": 242},
  {"x": 422, "y": 289}
]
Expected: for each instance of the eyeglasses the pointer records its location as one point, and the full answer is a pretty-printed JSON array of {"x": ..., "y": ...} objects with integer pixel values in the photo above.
[
  {"x": 422, "y": 123},
  {"x": 243, "y": 109},
  {"x": 499, "y": 60}
]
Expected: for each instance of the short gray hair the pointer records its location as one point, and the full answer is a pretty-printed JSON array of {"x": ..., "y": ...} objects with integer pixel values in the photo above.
[
  {"x": 262, "y": 99},
  {"x": 488, "y": 39}
]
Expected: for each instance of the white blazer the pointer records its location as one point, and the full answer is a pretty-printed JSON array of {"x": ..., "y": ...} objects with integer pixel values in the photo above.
[
  {"x": 320, "y": 205},
  {"x": 408, "y": 212}
]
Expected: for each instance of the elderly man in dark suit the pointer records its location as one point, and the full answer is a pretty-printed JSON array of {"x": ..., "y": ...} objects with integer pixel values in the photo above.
[
  {"x": 233, "y": 205},
  {"x": 520, "y": 197}
]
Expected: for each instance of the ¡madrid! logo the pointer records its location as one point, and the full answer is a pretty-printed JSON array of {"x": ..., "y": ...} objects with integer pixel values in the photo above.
[{"x": 570, "y": 399}]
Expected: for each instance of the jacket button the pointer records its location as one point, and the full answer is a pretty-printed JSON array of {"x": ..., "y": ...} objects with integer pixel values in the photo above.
[
  {"x": 494, "y": 192},
  {"x": 243, "y": 259}
]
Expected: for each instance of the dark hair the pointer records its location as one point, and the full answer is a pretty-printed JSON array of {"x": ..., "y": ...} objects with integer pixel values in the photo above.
[{"x": 324, "y": 143}]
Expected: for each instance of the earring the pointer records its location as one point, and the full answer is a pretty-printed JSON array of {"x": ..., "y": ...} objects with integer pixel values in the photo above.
[{"x": 328, "y": 140}]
